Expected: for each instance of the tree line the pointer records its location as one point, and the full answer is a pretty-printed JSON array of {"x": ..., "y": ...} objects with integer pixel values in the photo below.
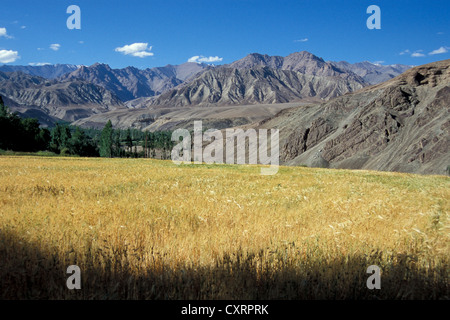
[
  {"x": 134, "y": 143},
  {"x": 25, "y": 134}
]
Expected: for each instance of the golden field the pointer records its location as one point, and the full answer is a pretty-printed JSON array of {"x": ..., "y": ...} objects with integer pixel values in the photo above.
[{"x": 149, "y": 229}]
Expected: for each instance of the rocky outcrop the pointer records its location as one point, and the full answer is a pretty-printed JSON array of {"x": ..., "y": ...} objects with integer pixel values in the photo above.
[{"x": 303, "y": 138}]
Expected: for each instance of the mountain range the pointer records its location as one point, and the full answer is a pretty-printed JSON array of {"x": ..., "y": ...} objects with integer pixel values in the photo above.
[
  {"x": 330, "y": 114},
  {"x": 264, "y": 79},
  {"x": 130, "y": 83},
  {"x": 48, "y": 71},
  {"x": 253, "y": 80}
]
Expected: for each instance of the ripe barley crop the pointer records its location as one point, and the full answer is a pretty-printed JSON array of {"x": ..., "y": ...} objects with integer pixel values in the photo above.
[{"x": 147, "y": 229}]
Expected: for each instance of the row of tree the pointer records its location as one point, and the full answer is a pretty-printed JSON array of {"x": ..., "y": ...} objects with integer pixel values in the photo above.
[
  {"x": 125, "y": 143},
  {"x": 19, "y": 134},
  {"x": 65, "y": 141}
]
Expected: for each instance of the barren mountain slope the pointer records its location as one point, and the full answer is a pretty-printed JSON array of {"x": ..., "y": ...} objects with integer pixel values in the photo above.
[
  {"x": 400, "y": 125},
  {"x": 156, "y": 118},
  {"x": 370, "y": 72},
  {"x": 229, "y": 86},
  {"x": 67, "y": 100},
  {"x": 130, "y": 83}
]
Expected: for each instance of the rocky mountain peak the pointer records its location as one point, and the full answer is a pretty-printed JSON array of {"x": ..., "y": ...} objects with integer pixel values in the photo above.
[
  {"x": 303, "y": 55},
  {"x": 257, "y": 60},
  {"x": 102, "y": 65}
]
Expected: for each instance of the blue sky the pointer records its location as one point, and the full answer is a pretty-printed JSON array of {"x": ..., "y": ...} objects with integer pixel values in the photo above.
[{"x": 150, "y": 33}]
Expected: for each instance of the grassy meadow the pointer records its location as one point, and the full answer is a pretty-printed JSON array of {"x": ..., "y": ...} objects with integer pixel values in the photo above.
[{"x": 149, "y": 229}]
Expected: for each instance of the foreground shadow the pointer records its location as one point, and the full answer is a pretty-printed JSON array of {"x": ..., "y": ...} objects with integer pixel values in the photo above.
[{"x": 29, "y": 272}]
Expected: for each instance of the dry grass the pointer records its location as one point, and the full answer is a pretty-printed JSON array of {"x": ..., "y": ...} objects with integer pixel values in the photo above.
[{"x": 147, "y": 229}]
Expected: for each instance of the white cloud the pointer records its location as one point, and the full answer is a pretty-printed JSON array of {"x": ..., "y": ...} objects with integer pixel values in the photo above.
[
  {"x": 3, "y": 33},
  {"x": 417, "y": 54},
  {"x": 378, "y": 62},
  {"x": 203, "y": 59},
  {"x": 193, "y": 59},
  {"x": 439, "y": 51},
  {"x": 420, "y": 54},
  {"x": 138, "y": 49},
  {"x": 23, "y": 27},
  {"x": 81, "y": 42},
  {"x": 301, "y": 40},
  {"x": 39, "y": 64},
  {"x": 55, "y": 46},
  {"x": 7, "y": 56}
]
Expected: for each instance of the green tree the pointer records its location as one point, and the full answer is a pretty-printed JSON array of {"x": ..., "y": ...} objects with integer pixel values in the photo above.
[
  {"x": 29, "y": 134},
  {"x": 151, "y": 144},
  {"x": 106, "y": 141},
  {"x": 79, "y": 141},
  {"x": 21, "y": 134},
  {"x": 61, "y": 139},
  {"x": 117, "y": 144},
  {"x": 82, "y": 145},
  {"x": 43, "y": 139},
  {"x": 129, "y": 140},
  {"x": 8, "y": 132}
]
